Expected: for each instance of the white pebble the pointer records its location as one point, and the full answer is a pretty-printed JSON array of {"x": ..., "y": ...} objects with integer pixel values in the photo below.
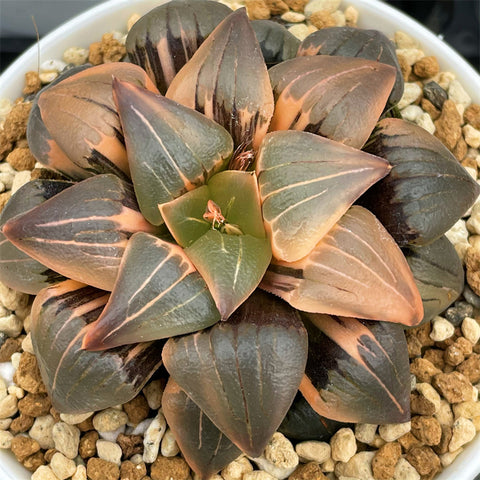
[
  {"x": 75, "y": 55},
  {"x": 313, "y": 451},
  {"x": 405, "y": 471},
  {"x": 11, "y": 325},
  {"x": 359, "y": 466},
  {"x": 457, "y": 93},
  {"x": 325, "y": 5},
  {"x": 444, "y": 414},
  {"x": 2, "y": 187},
  {"x": 472, "y": 136},
  {"x": 344, "y": 445},
  {"x": 339, "y": 18},
  {"x": 44, "y": 472},
  {"x": 257, "y": 475},
  {"x": 279, "y": 457},
  {"x": 153, "y": 392},
  {"x": 132, "y": 20},
  {"x": 62, "y": 466},
  {"x": 6, "y": 106},
  {"x": 299, "y": 30},
  {"x": 5, "y": 439},
  {"x": 109, "y": 451},
  {"x": 21, "y": 178},
  {"x": 168, "y": 446},
  {"x": 8, "y": 406},
  {"x": 17, "y": 391},
  {"x": 410, "y": 55},
  {"x": 293, "y": 17},
  {"x": 471, "y": 330},
  {"x": 447, "y": 458},
  {"x": 441, "y": 329},
  {"x": 3, "y": 388},
  {"x": 463, "y": 431},
  {"x": 80, "y": 473},
  {"x": 47, "y": 77},
  {"x": 42, "y": 431},
  {"x": 15, "y": 359},
  {"x": 328, "y": 466},
  {"x": 237, "y": 469},
  {"x": 394, "y": 431},
  {"x": 27, "y": 345},
  {"x": 141, "y": 428},
  {"x": 75, "y": 418},
  {"x": 109, "y": 420},
  {"x": 411, "y": 93},
  {"x": 152, "y": 438},
  {"x": 458, "y": 235},
  {"x": 425, "y": 121},
  {"x": 411, "y": 113},
  {"x": 460, "y": 109},
  {"x": 445, "y": 78},
  {"x": 66, "y": 438},
  {"x": 7, "y": 179},
  {"x": 11, "y": 299},
  {"x": 351, "y": 15},
  {"x": 473, "y": 173},
  {"x": 7, "y": 371},
  {"x": 52, "y": 66},
  {"x": 365, "y": 432},
  {"x": 404, "y": 40}
]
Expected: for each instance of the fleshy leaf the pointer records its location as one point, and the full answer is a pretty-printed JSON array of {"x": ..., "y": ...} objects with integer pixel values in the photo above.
[
  {"x": 438, "y": 273},
  {"x": 357, "y": 370},
  {"x": 205, "y": 448},
  {"x": 79, "y": 114},
  {"x": 227, "y": 80},
  {"x": 355, "y": 42},
  {"x": 81, "y": 232},
  {"x": 339, "y": 98},
  {"x": 302, "y": 422},
  {"x": 165, "y": 38},
  {"x": 171, "y": 149},
  {"x": 158, "y": 294},
  {"x": 427, "y": 190},
  {"x": 77, "y": 380},
  {"x": 356, "y": 270},
  {"x": 236, "y": 370},
  {"x": 17, "y": 270},
  {"x": 306, "y": 184},
  {"x": 276, "y": 42}
]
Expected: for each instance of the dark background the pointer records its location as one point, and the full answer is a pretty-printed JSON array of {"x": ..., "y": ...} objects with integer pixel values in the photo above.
[{"x": 458, "y": 21}]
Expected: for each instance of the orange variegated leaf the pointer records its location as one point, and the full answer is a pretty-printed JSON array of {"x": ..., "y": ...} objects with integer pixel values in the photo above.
[
  {"x": 171, "y": 149},
  {"x": 306, "y": 184},
  {"x": 81, "y": 232},
  {"x": 158, "y": 294},
  {"x": 227, "y": 80},
  {"x": 357, "y": 370},
  {"x": 80, "y": 115},
  {"x": 60, "y": 315},
  {"x": 356, "y": 270},
  {"x": 339, "y": 98}
]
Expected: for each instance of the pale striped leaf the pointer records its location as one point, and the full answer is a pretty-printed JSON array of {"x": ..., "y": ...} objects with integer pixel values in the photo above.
[
  {"x": 205, "y": 448},
  {"x": 339, "y": 98},
  {"x": 158, "y": 294},
  {"x": 306, "y": 184},
  {"x": 356, "y": 270},
  {"x": 227, "y": 80},
  {"x": 80, "y": 115},
  {"x": 77, "y": 380},
  {"x": 171, "y": 149},
  {"x": 165, "y": 38},
  {"x": 81, "y": 232},
  {"x": 236, "y": 371},
  {"x": 357, "y": 370}
]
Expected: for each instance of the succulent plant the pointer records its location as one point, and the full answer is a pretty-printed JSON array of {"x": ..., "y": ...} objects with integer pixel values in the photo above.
[{"x": 199, "y": 180}]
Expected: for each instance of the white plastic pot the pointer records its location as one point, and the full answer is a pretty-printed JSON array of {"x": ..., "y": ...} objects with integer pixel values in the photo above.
[{"x": 113, "y": 15}]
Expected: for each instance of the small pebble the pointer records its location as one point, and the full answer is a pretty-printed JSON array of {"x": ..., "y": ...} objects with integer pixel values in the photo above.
[
  {"x": 393, "y": 431},
  {"x": 293, "y": 17},
  {"x": 8, "y": 406},
  {"x": 42, "y": 431},
  {"x": 404, "y": 40},
  {"x": 411, "y": 113},
  {"x": 463, "y": 431},
  {"x": 426, "y": 67},
  {"x": 441, "y": 329},
  {"x": 405, "y": 471},
  {"x": 299, "y": 30},
  {"x": 343, "y": 445},
  {"x": 170, "y": 468},
  {"x": 385, "y": 460},
  {"x": 62, "y": 466},
  {"x": 5, "y": 439},
  {"x": 471, "y": 330},
  {"x": 457, "y": 93},
  {"x": 152, "y": 438},
  {"x": 21, "y": 178},
  {"x": 75, "y": 418},
  {"x": 316, "y": 5},
  {"x": 66, "y": 438},
  {"x": 351, "y": 16},
  {"x": 80, "y": 473},
  {"x": 472, "y": 136},
  {"x": 153, "y": 392},
  {"x": 411, "y": 93},
  {"x": 11, "y": 325},
  {"x": 447, "y": 458},
  {"x": 313, "y": 451},
  {"x": 236, "y": 469},
  {"x": 359, "y": 466},
  {"x": 44, "y": 472},
  {"x": 109, "y": 420},
  {"x": 410, "y": 55},
  {"x": 75, "y": 55},
  {"x": 425, "y": 121},
  {"x": 168, "y": 446},
  {"x": 258, "y": 475},
  {"x": 365, "y": 432},
  {"x": 109, "y": 451}
]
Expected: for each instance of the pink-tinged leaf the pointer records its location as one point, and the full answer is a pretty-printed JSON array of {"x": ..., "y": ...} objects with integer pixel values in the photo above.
[
  {"x": 165, "y": 38},
  {"x": 357, "y": 370},
  {"x": 339, "y": 98},
  {"x": 236, "y": 370},
  {"x": 171, "y": 149},
  {"x": 227, "y": 80},
  {"x": 158, "y": 294},
  {"x": 77, "y": 380},
  {"x": 356, "y": 270},
  {"x": 205, "y": 448},
  {"x": 81, "y": 232},
  {"x": 80, "y": 116},
  {"x": 306, "y": 184}
]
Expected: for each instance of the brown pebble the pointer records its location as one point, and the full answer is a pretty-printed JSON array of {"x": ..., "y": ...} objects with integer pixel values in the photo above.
[
  {"x": 464, "y": 344},
  {"x": 165, "y": 468},
  {"x": 430, "y": 108},
  {"x": 9, "y": 347},
  {"x": 34, "y": 461},
  {"x": 5, "y": 145},
  {"x": 27, "y": 375},
  {"x": 435, "y": 356},
  {"x": 471, "y": 163},
  {"x": 471, "y": 368},
  {"x": 98, "y": 469},
  {"x": 137, "y": 409},
  {"x": 423, "y": 369},
  {"x": 408, "y": 441},
  {"x": 21, "y": 424},
  {"x": 4, "y": 198},
  {"x": 49, "y": 454},
  {"x": 322, "y": 19},
  {"x": 427, "y": 429},
  {"x": 277, "y": 7},
  {"x": 22, "y": 447},
  {"x": 130, "y": 444},
  {"x": 88, "y": 444},
  {"x": 426, "y": 67},
  {"x": 472, "y": 265},
  {"x": 32, "y": 83},
  {"x": 421, "y": 405},
  {"x": 414, "y": 346},
  {"x": 297, "y": 5},
  {"x": 460, "y": 150},
  {"x": 112, "y": 49},
  {"x": 448, "y": 125},
  {"x": 45, "y": 174},
  {"x": 86, "y": 425},
  {"x": 454, "y": 387},
  {"x": 95, "y": 53},
  {"x": 472, "y": 115},
  {"x": 257, "y": 9},
  {"x": 453, "y": 355},
  {"x": 442, "y": 447},
  {"x": 15, "y": 126},
  {"x": 132, "y": 471},
  {"x": 424, "y": 460},
  {"x": 35, "y": 405},
  {"x": 309, "y": 471},
  {"x": 385, "y": 459}
]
